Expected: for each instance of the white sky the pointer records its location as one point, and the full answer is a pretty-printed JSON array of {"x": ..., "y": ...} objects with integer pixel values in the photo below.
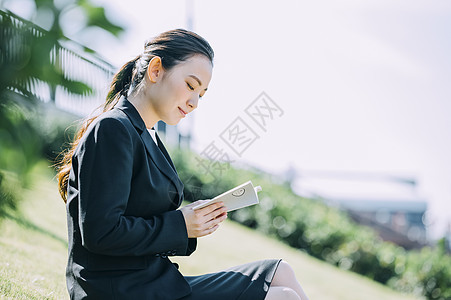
[{"x": 364, "y": 85}]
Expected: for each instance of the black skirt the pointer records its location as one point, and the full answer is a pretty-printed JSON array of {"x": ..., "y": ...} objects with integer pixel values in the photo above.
[{"x": 245, "y": 282}]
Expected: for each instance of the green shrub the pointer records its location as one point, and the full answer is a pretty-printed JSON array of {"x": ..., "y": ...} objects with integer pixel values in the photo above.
[
  {"x": 320, "y": 230},
  {"x": 20, "y": 149},
  {"x": 426, "y": 272},
  {"x": 29, "y": 132}
]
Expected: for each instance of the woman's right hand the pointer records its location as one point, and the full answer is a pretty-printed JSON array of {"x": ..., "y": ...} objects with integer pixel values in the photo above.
[{"x": 203, "y": 221}]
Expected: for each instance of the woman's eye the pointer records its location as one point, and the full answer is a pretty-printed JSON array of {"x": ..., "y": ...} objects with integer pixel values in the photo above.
[{"x": 190, "y": 86}]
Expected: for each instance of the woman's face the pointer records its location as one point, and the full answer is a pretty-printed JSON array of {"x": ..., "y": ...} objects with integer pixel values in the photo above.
[{"x": 176, "y": 92}]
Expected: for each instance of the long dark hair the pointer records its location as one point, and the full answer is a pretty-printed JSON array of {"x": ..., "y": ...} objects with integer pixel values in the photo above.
[{"x": 172, "y": 47}]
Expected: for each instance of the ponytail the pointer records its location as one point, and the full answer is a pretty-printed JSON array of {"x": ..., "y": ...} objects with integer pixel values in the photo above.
[
  {"x": 121, "y": 84},
  {"x": 119, "y": 87},
  {"x": 172, "y": 47}
]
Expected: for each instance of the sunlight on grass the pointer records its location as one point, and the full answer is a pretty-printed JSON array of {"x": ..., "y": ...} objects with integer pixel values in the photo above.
[{"x": 33, "y": 244}]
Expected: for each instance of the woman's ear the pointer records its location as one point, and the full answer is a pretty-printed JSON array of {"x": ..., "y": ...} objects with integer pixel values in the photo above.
[{"x": 155, "y": 69}]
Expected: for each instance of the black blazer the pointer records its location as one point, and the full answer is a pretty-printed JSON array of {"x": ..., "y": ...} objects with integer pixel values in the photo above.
[{"x": 123, "y": 224}]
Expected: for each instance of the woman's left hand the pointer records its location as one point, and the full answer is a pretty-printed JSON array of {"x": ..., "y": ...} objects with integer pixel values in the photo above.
[{"x": 203, "y": 221}]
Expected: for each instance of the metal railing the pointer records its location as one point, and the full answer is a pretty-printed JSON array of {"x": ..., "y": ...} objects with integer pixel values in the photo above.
[{"x": 75, "y": 64}]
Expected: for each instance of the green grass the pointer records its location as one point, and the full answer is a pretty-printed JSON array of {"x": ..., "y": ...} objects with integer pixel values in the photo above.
[
  {"x": 33, "y": 244},
  {"x": 33, "y": 253}
]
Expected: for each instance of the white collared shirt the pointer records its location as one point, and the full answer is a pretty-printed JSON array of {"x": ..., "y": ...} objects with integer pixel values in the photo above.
[{"x": 153, "y": 135}]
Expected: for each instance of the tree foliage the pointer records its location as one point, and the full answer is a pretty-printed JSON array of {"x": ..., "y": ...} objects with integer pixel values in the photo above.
[{"x": 27, "y": 58}]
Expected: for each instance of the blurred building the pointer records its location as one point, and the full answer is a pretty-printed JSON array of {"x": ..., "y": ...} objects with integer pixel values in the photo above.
[{"x": 388, "y": 204}]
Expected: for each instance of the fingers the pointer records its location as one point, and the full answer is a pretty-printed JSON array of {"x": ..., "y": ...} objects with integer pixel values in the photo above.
[
  {"x": 197, "y": 202},
  {"x": 214, "y": 207},
  {"x": 213, "y": 222},
  {"x": 211, "y": 218},
  {"x": 204, "y": 221},
  {"x": 211, "y": 230},
  {"x": 205, "y": 225},
  {"x": 213, "y": 225}
]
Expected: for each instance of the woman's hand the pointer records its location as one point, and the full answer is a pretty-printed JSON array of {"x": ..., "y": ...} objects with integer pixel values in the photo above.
[{"x": 203, "y": 221}]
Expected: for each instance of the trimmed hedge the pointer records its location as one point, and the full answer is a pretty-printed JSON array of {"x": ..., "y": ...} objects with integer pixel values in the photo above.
[{"x": 320, "y": 230}]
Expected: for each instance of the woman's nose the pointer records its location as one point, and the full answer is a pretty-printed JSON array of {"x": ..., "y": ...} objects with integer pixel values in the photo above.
[{"x": 192, "y": 103}]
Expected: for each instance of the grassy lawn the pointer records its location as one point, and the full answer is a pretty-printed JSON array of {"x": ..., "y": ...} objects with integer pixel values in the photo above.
[{"x": 33, "y": 252}]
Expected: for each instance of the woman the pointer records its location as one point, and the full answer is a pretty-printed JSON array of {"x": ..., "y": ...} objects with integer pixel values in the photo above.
[{"x": 122, "y": 191}]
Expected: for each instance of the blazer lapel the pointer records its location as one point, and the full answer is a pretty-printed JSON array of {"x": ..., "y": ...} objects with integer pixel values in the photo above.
[
  {"x": 164, "y": 151},
  {"x": 158, "y": 154},
  {"x": 162, "y": 160}
]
